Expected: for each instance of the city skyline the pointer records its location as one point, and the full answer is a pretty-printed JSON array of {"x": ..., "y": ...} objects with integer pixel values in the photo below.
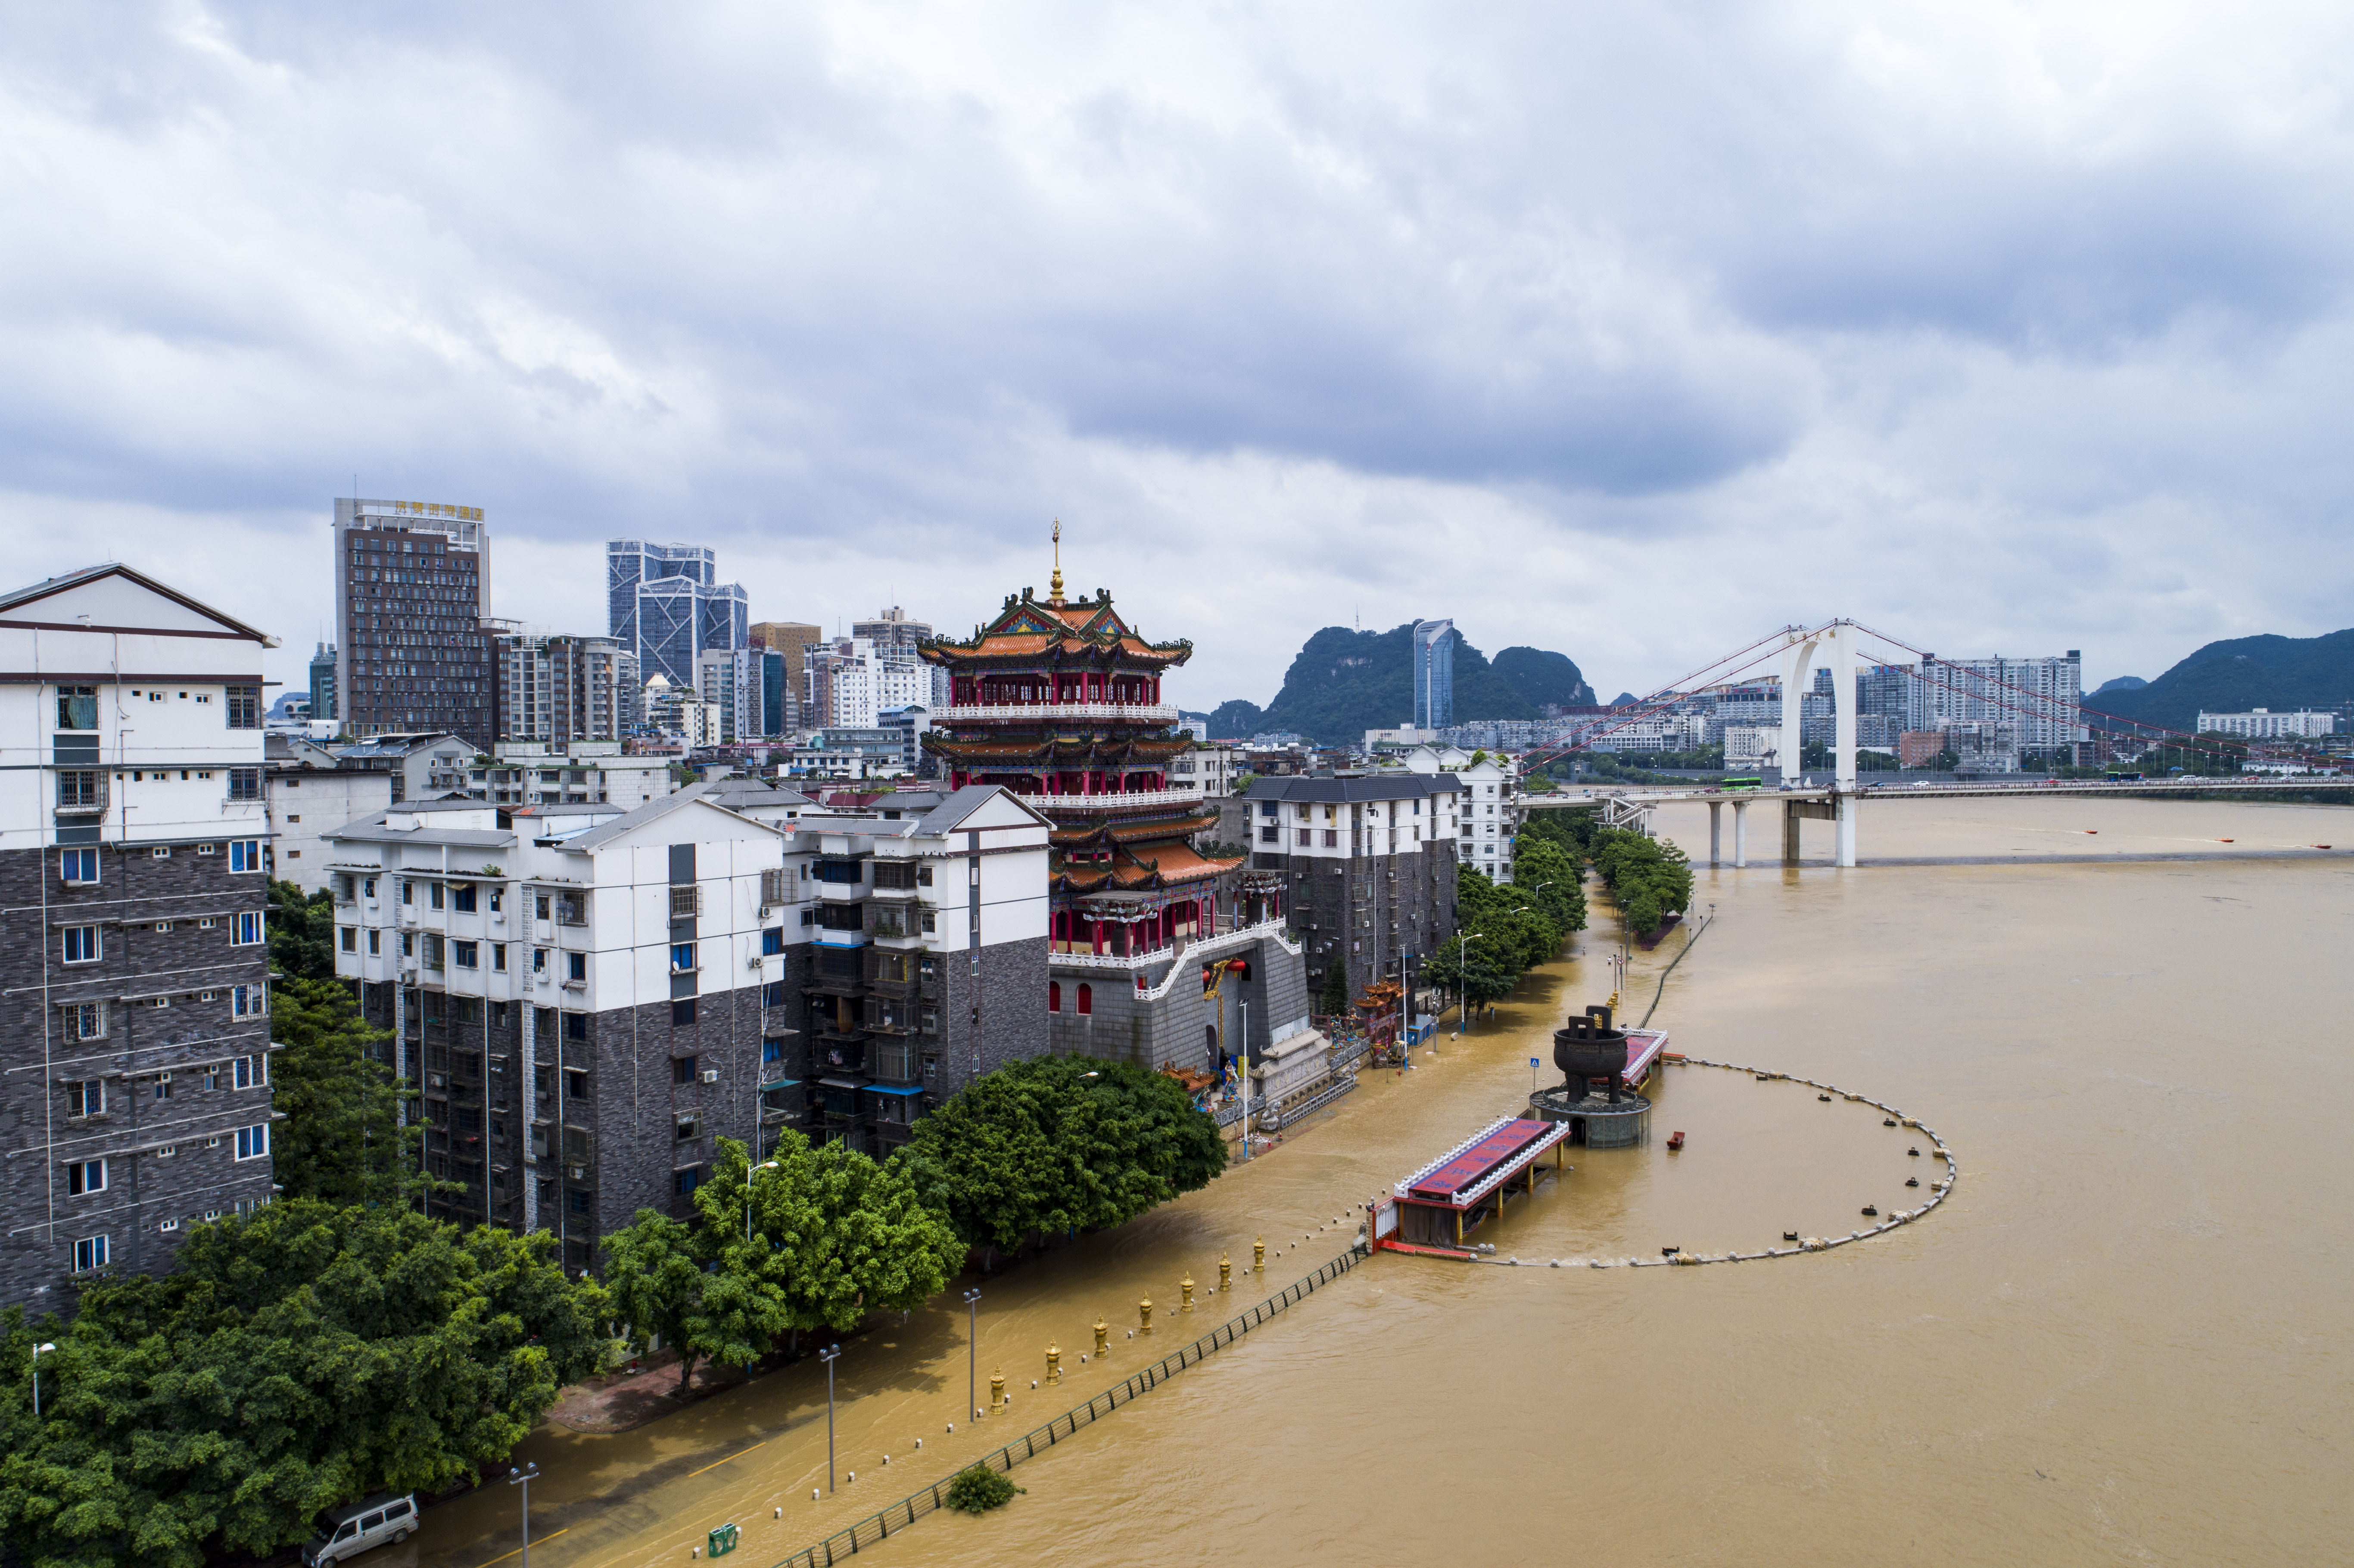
[{"x": 1911, "y": 318}]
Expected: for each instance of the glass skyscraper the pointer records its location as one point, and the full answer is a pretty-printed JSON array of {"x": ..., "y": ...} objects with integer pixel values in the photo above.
[
  {"x": 1434, "y": 674},
  {"x": 664, "y": 605}
]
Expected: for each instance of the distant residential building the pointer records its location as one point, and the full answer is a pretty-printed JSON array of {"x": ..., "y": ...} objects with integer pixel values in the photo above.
[
  {"x": 892, "y": 633},
  {"x": 412, "y": 592},
  {"x": 557, "y": 689},
  {"x": 322, "y": 682},
  {"x": 134, "y": 954},
  {"x": 2263, "y": 724},
  {"x": 1210, "y": 766},
  {"x": 1919, "y": 748},
  {"x": 1750, "y": 746},
  {"x": 1489, "y": 815},
  {"x": 1656, "y": 732},
  {"x": 874, "y": 752},
  {"x": 666, "y": 606},
  {"x": 1987, "y": 748},
  {"x": 728, "y": 679},
  {"x": 2039, "y": 700},
  {"x": 1434, "y": 674},
  {"x": 909, "y": 724},
  {"x": 863, "y": 679},
  {"x": 307, "y": 793},
  {"x": 1194, "y": 725},
  {"x": 574, "y": 773},
  {"x": 423, "y": 767}
]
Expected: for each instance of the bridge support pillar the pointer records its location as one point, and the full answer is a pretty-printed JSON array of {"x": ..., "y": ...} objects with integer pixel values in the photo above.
[
  {"x": 1846, "y": 850},
  {"x": 1740, "y": 832},
  {"x": 1715, "y": 831},
  {"x": 1789, "y": 834}
]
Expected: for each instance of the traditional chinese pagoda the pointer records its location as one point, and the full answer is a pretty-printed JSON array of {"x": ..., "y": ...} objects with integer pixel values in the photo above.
[{"x": 1059, "y": 701}]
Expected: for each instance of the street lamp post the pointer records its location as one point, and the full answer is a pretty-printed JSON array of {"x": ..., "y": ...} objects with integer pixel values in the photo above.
[
  {"x": 1463, "y": 1001},
  {"x": 37, "y": 1352},
  {"x": 754, "y": 1171},
  {"x": 972, "y": 1351},
  {"x": 522, "y": 1479},
  {"x": 829, "y": 1355}
]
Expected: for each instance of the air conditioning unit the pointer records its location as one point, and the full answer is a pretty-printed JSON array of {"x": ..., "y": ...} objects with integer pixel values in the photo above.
[
  {"x": 753, "y": 962},
  {"x": 579, "y": 1172},
  {"x": 710, "y": 1075},
  {"x": 498, "y": 916},
  {"x": 436, "y": 1081}
]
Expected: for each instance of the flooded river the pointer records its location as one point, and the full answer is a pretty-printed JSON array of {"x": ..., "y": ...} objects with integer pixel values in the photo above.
[{"x": 2124, "y": 1340}]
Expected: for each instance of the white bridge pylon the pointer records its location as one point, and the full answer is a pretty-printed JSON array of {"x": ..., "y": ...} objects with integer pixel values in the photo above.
[{"x": 1834, "y": 645}]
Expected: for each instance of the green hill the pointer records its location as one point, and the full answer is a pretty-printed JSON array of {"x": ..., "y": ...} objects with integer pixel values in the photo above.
[
  {"x": 2244, "y": 672},
  {"x": 1344, "y": 683}
]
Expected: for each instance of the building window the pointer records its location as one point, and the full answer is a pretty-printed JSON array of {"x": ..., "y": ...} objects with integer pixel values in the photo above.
[
  {"x": 77, "y": 708},
  {"x": 685, "y": 903},
  {"x": 1053, "y": 996},
  {"x": 245, "y": 928},
  {"x": 163, "y": 1086},
  {"x": 681, "y": 1012},
  {"x": 499, "y": 957},
  {"x": 773, "y": 941},
  {"x": 376, "y": 944},
  {"x": 932, "y": 921},
  {"x": 253, "y": 1142},
  {"x": 244, "y": 707},
  {"x": 245, "y": 783},
  {"x": 248, "y": 1072},
  {"x": 434, "y": 896},
  {"x": 245, "y": 854},
  {"x": 77, "y": 866},
  {"x": 86, "y": 1099},
  {"x": 465, "y": 955},
  {"x": 86, "y": 1021},
  {"x": 1305, "y": 835},
  {"x": 1086, "y": 999},
  {"x": 1269, "y": 835},
  {"x": 681, "y": 1069},
  {"x": 85, "y": 1176},
  {"x": 247, "y": 1000},
  {"x": 686, "y": 1182},
  {"x": 81, "y": 790},
  {"x": 461, "y": 898},
  {"x": 682, "y": 958},
  {"x": 90, "y": 1253},
  {"x": 576, "y": 966},
  {"x": 82, "y": 945},
  {"x": 351, "y": 940},
  {"x": 690, "y": 1126}
]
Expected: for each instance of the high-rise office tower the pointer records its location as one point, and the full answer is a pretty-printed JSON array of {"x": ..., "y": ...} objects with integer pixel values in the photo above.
[
  {"x": 892, "y": 633},
  {"x": 666, "y": 606},
  {"x": 323, "y": 682},
  {"x": 412, "y": 590},
  {"x": 1434, "y": 674}
]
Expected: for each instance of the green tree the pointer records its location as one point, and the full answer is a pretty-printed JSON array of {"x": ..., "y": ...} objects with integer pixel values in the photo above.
[
  {"x": 1648, "y": 876},
  {"x": 1552, "y": 874},
  {"x": 298, "y": 1358},
  {"x": 1335, "y": 999},
  {"x": 834, "y": 1237},
  {"x": 655, "y": 1266},
  {"x": 1060, "y": 1143},
  {"x": 302, "y": 932},
  {"x": 342, "y": 1142},
  {"x": 1474, "y": 971}
]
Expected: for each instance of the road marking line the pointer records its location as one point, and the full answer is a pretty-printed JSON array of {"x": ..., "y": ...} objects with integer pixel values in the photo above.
[
  {"x": 518, "y": 1551},
  {"x": 715, "y": 1464}
]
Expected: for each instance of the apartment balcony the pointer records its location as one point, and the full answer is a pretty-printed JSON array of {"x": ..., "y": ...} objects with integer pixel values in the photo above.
[
  {"x": 897, "y": 936},
  {"x": 1125, "y": 800},
  {"x": 1061, "y": 713},
  {"x": 826, "y": 937}
]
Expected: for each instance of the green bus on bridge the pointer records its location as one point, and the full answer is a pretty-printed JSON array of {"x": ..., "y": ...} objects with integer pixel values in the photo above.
[{"x": 1741, "y": 784}]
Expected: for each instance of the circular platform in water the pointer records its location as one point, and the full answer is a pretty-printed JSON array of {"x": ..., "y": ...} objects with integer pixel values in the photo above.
[{"x": 1595, "y": 1121}]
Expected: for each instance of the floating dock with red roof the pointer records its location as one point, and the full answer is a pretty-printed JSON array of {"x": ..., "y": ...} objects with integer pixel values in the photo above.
[{"x": 1440, "y": 1203}]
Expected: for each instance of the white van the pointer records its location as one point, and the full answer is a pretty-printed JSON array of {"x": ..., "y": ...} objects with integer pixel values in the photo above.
[{"x": 346, "y": 1532}]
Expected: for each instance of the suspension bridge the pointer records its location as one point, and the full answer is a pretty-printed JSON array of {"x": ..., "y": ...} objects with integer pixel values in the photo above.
[{"x": 1837, "y": 646}]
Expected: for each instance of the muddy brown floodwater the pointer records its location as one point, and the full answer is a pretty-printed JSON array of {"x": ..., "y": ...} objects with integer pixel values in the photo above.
[{"x": 2124, "y": 1340}]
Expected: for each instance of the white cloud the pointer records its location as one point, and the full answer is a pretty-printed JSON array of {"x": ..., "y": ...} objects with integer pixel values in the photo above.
[{"x": 1630, "y": 335}]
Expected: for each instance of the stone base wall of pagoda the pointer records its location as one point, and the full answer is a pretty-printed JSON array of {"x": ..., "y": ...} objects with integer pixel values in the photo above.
[{"x": 1174, "y": 1030}]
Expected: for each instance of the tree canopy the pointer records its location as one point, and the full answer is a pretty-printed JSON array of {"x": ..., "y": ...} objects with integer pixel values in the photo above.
[
  {"x": 1648, "y": 876},
  {"x": 1060, "y": 1143},
  {"x": 299, "y": 1357},
  {"x": 342, "y": 1140},
  {"x": 302, "y": 932},
  {"x": 1507, "y": 929}
]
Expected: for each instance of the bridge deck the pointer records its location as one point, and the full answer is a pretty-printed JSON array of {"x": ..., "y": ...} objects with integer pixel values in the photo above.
[{"x": 2149, "y": 789}]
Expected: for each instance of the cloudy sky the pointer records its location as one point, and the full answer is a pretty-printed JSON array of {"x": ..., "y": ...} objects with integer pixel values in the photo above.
[{"x": 1631, "y": 331}]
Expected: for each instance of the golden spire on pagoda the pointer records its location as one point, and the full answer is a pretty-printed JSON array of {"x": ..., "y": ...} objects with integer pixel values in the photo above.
[{"x": 1054, "y": 587}]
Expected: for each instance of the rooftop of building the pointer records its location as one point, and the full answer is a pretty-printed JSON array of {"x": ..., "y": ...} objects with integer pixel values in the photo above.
[{"x": 1393, "y": 784}]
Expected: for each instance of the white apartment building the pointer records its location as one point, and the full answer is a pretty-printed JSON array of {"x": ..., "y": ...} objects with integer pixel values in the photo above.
[
  {"x": 1489, "y": 814},
  {"x": 589, "y": 997},
  {"x": 582, "y": 773},
  {"x": 2263, "y": 724},
  {"x": 2040, "y": 700},
  {"x": 1210, "y": 767},
  {"x": 864, "y": 680},
  {"x": 134, "y": 958}
]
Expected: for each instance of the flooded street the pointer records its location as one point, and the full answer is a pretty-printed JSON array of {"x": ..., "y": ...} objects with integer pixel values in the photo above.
[{"x": 2123, "y": 1339}]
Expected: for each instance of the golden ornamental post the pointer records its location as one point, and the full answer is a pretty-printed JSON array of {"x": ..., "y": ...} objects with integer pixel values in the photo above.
[
  {"x": 1186, "y": 1285},
  {"x": 1054, "y": 1363},
  {"x": 1103, "y": 1333},
  {"x": 1258, "y": 1255},
  {"x": 996, "y": 1391},
  {"x": 1144, "y": 1313},
  {"x": 1226, "y": 1274}
]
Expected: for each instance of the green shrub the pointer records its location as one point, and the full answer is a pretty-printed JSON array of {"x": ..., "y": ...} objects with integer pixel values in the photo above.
[{"x": 979, "y": 1488}]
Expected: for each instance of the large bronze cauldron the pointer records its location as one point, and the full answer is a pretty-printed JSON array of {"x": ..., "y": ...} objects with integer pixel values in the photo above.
[{"x": 1589, "y": 1048}]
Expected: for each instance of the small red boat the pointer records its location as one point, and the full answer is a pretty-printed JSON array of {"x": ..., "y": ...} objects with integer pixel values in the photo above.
[{"x": 1675, "y": 1141}]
